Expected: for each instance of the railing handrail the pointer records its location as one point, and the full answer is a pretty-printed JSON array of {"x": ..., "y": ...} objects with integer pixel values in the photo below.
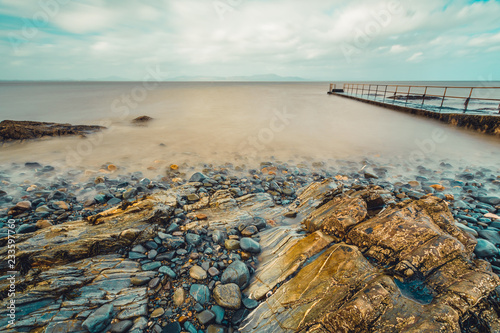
[{"x": 407, "y": 92}]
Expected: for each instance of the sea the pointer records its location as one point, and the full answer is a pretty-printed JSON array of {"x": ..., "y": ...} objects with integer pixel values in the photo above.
[{"x": 242, "y": 123}]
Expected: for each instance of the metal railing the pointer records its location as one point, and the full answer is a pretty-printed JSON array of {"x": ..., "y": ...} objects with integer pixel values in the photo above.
[{"x": 481, "y": 99}]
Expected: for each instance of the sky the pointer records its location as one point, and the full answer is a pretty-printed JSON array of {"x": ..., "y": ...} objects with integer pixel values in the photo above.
[{"x": 323, "y": 40}]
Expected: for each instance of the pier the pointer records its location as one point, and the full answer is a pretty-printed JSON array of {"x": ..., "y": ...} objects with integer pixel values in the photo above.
[{"x": 476, "y": 108}]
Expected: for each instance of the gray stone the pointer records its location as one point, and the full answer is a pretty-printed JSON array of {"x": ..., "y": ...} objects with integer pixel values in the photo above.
[
  {"x": 193, "y": 239},
  {"x": 485, "y": 248},
  {"x": 490, "y": 200},
  {"x": 121, "y": 326},
  {"x": 219, "y": 313},
  {"x": 99, "y": 319},
  {"x": 151, "y": 266},
  {"x": 228, "y": 296},
  {"x": 205, "y": 317},
  {"x": 249, "y": 245},
  {"x": 136, "y": 255},
  {"x": 174, "y": 327},
  {"x": 237, "y": 273},
  {"x": 168, "y": 271},
  {"x": 190, "y": 327},
  {"x": 200, "y": 293},
  {"x": 198, "y": 177},
  {"x": 139, "y": 248},
  {"x": 213, "y": 271},
  {"x": 250, "y": 303}
]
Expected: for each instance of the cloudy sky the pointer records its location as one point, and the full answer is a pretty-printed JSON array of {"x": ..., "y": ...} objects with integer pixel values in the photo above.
[{"x": 313, "y": 39}]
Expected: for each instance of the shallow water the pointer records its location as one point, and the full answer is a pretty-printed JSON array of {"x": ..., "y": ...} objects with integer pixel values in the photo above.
[{"x": 242, "y": 123}]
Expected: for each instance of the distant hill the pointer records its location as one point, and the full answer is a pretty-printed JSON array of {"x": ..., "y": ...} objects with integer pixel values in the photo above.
[{"x": 262, "y": 77}]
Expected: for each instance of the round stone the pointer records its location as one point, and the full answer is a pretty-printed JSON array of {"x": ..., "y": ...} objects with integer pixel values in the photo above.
[
  {"x": 158, "y": 313},
  {"x": 197, "y": 273},
  {"x": 228, "y": 296},
  {"x": 249, "y": 245}
]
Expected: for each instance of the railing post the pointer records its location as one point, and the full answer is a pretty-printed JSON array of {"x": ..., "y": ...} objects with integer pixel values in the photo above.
[
  {"x": 368, "y": 94},
  {"x": 442, "y": 101},
  {"x": 395, "y": 93},
  {"x": 357, "y": 88},
  {"x": 468, "y": 100},
  {"x": 407, "y": 95},
  {"x": 385, "y": 92},
  {"x": 423, "y": 97},
  {"x": 331, "y": 86}
]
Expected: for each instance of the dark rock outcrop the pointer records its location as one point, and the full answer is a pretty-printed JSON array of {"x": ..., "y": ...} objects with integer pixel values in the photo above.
[{"x": 11, "y": 130}]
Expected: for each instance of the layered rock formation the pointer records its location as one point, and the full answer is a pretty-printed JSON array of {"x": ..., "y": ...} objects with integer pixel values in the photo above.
[
  {"x": 407, "y": 268},
  {"x": 11, "y": 130},
  {"x": 358, "y": 263}
]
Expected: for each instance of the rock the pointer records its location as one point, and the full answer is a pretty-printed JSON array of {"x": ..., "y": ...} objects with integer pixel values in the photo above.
[
  {"x": 27, "y": 228},
  {"x": 193, "y": 197},
  {"x": 179, "y": 296},
  {"x": 140, "y": 280},
  {"x": 285, "y": 254},
  {"x": 151, "y": 266},
  {"x": 205, "y": 317},
  {"x": 491, "y": 235},
  {"x": 157, "y": 313},
  {"x": 490, "y": 200},
  {"x": 121, "y": 326},
  {"x": 485, "y": 249},
  {"x": 232, "y": 244},
  {"x": 197, "y": 273},
  {"x": 228, "y": 296},
  {"x": 236, "y": 273},
  {"x": 198, "y": 177},
  {"x": 11, "y": 130},
  {"x": 213, "y": 271},
  {"x": 249, "y": 231},
  {"x": 219, "y": 313},
  {"x": 23, "y": 205},
  {"x": 467, "y": 229},
  {"x": 193, "y": 239},
  {"x": 200, "y": 293},
  {"x": 172, "y": 242},
  {"x": 190, "y": 327},
  {"x": 168, "y": 271},
  {"x": 249, "y": 245},
  {"x": 250, "y": 303},
  {"x": 216, "y": 329},
  {"x": 99, "y": 319},
  {"x": 174, "y": 327},
  {"x": 42, "y": 224},
  {"x": 492, "y": 216},
  {"x": 142, "y": 120},
  {"x": 290, "y": 214}
]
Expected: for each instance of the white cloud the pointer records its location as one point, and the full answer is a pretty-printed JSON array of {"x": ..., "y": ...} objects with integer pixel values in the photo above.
[
  {"x": 415, "y": 57},
  {"x": 293, "y": 38}
]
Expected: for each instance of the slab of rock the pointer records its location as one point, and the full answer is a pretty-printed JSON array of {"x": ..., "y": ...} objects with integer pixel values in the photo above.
[{"x": 11, "y": 130}]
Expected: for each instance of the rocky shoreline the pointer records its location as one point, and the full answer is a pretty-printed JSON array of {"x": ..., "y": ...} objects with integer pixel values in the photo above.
[{"x": 278, "y": 248}]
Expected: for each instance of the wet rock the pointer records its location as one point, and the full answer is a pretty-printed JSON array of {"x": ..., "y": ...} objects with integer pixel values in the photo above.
[
  {"x": 179, "y": 296},
  {"x": 121, "y": 326},
  {"x": 11, "y": 130},
  {"x": 490, "y": 200},
  {"x": 216, "y": 329},
  {"x": 197, "y": 273},
  {"x": 99, "y": 319},
  {"x": 200, "y": 293},
  {"x": 157, "y": 313},
  {"x": 228, "y": 296},
  {"x": 205, "y": 317},
  {"x": 219, "y": 313},
  {"x": 249, "y": 245},
  {"x": 142, "y": 120},
  {"x": 232, "y": 244},
  {"x": 198, "y": 177},
  {"x": 174, "y": 327},
  {"x": 485, "y": 249},
  {"x": 236, "y": 273}
]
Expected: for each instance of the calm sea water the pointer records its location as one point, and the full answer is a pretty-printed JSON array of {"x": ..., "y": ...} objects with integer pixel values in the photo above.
[{"x": 242, "y": 123}]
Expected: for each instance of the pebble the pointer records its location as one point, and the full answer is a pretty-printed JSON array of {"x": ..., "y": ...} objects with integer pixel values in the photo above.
[
  {"x": 249, "y": 245},
  {"x": 179, "y": 296},
  {"x": 197, "y": 273},
  {"x": 200, "y": 293},
  {"x": 231, "y": 244},
  {"x": 157, "y": 313},
  {"x": 228, "y": 296},
  {"x": 205, "y": 317}
]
